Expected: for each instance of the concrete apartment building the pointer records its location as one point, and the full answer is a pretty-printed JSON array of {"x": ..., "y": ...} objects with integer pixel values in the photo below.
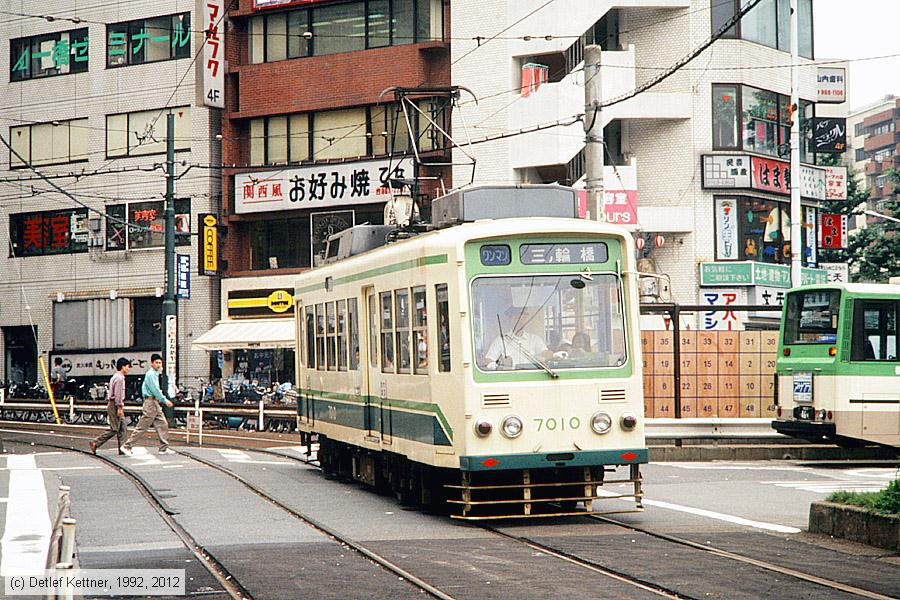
[
  {"x": 88, "y": 92},
  {"x": 874, "y": 145},
  {"x": 696, "y": 151}
]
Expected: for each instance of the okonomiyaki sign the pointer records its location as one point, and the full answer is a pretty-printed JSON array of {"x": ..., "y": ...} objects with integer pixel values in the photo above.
[{"x": 318, "y": 186}]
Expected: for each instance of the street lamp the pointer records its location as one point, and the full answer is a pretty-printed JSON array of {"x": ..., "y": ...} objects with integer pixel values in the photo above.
[{"x": 872, "y": 213}]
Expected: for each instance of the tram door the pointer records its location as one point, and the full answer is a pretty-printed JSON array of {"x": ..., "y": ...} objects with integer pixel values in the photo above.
[{"x": 375, "y": 392}]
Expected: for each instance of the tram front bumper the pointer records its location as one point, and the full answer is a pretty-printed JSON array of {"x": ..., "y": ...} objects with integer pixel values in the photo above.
[
  {"x": 807, "y": 430},
  {"x": 542, "y": 460}
]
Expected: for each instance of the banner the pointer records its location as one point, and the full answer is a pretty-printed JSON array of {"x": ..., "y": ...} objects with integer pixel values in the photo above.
[
  {"x": 830, "y": 135},
  {"x": 833, "y": 231},
  {"x": 209, "y": 244},
  {"x": 183, "y": 272},
  {"x": 213, "y": 59},
  {"x": 726, "y": 229},
  {"x": 835, "y": 183}
]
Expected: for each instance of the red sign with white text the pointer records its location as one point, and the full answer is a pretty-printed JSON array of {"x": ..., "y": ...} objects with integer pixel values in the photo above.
[
  {"x": 619, "y": 206},
  {"x": 770, "y": 175},
  {"x": 833, "y": 231}
]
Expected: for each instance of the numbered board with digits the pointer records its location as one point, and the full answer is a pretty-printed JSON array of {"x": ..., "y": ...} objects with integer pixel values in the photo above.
[{"x": 726, "y": 374}]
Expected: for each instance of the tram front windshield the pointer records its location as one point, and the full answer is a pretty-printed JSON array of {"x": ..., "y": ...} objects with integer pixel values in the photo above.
[
  {"x": 811, "y": 317},
  {"x": 530, "y": 323}
]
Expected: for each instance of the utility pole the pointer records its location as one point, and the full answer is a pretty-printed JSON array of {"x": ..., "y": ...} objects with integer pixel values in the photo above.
[
  {"x": 169, "y": 307},
  {"x": 593, "y": 134},
  {"x": 796, "y": 209}
]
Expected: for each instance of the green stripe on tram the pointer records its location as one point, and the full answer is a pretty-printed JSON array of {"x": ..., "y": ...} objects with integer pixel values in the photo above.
[
  {"x": 435, "y": 259},
  {"x": 391, "y": 404}
]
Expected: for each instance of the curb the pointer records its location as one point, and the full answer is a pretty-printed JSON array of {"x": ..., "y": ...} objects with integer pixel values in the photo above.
[
  {"x": 753, "y": 452},
  {"x": 855, "y": 524}
]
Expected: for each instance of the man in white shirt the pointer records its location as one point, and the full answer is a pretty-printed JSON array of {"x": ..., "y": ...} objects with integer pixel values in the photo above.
[{"x": 516, "y": 346}]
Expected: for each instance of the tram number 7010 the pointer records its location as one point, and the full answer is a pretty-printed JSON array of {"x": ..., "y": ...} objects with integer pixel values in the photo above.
[{"x": 561, "y": 423}]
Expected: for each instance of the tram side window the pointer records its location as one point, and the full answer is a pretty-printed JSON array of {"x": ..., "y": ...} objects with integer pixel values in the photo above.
[
  {"x": 443, "y": 310},
  {"x": 331, "y": 339},
  {"x": 401, "y": 298},
  {"x": 373, "y": 332},
  {"x": 353, "y": 328},
  {"x": 387, "y": 333},
  {"x": 420, "y": 331},
  {"x": 875, "y": 330},
  {"x": 812, "y": 317},
  {"x": 320, "y": 336},
  {"x": 342, "y": 335},
  {"x": 310, "y": 338}
]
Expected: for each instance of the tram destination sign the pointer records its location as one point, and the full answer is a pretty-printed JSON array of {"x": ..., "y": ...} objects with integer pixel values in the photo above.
[{"x": 555, "y": 254}]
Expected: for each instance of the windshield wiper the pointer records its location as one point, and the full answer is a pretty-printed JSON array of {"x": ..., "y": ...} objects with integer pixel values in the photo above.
[{"x": 535, "y": 360}]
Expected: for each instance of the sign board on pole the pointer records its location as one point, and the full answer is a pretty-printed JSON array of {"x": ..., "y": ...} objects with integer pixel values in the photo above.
[
  {"x": 837, "y": 272},
  {"x": 209, "y": 244},
  {"x": 183, "y": 273},
  {"x": 833, "y": 231},
  {"x": 213, "y": 59},
  {"x": 831, "y": 85},
  {"x": 171, "y": 348},
  {"x": 195, "y": 426}
]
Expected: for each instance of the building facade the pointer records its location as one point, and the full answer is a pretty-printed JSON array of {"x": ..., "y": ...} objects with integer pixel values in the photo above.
[
  {"x": 875, "y": 146},
  {"x": 86, "y": 96},
  {"x": 697, "y": 163}
]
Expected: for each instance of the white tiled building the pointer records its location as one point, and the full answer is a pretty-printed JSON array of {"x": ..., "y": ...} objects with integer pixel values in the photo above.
[
  {"x": 657, "y": 139},
  {"x": 83, "y": 95}
]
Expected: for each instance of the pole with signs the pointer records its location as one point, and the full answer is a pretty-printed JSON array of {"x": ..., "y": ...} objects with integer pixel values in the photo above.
[
  {"x": 170, "y": 307},
  {"x": 796, "y": 210}
]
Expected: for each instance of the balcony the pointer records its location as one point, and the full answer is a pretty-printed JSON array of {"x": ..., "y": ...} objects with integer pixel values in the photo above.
[
  {"x": 877, "y": 167},
  {"x": 876, "y": 142},
  {"x": 561, "y": 100}
]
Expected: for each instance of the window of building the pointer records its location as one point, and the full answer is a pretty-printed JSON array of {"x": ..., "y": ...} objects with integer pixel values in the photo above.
[
  {"x": 881, "y": 128},
  {"x": 443, "y": 323},
  {"x": 420, "y": 331},
  {"x": 880, "y": 155},
  {"x": 148, "y": 40},
  {"x": 875, "y": 330},
  {"x": 759, "y": 113},
  {"x": 47, "y": 55},
  {"x": 49, "y": 143},
  {"x": 50, "y": 232},
  {"x": 98, "y": 323},
  {"x": 344, "y": 27},
  {"x": 881, "y": 180},
  {"x": 147, "y": 224},
  {"x": 339, "y": 134},
  {"x": 387, "y": 333},
  {"x": 280, "y": 244},
  {"x": 725, "y": 117},
  {"x": 764, "y": 231},
  {"x": 768, "y": 23},
  {"x": 861, "y": 154},
  {"x": 144, "y": 132},
  {"x": 858, "y": 129}
]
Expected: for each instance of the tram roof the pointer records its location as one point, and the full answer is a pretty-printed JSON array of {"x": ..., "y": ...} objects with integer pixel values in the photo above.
[{"x": 859, "y": 288}]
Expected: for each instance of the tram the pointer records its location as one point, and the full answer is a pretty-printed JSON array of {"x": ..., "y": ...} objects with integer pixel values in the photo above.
[
  {"x": 838, "y": 369},
  {"x": 489, "y": 366}
]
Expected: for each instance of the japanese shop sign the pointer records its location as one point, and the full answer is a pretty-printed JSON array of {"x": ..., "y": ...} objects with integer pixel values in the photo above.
[
  {"x": 831, "y": 85},
  {"x": 833, "y": 231},
  {"x": 736, "y": 273},
  {"x": 726, "y": 229},
  {"x": 767, "y": 296},
  {"x": 102, "y": 364},
  {"x": 746, "y": 273},
  {"x": 56, "y": 232},
  {"x": 837, "y": 272},
  {"x": 835, "y": 183},
  {"x": 120, "y": 43},
  {"x": 260, "y": 303},
  {"x": 829, "y": 135},
  {"x": 811, "y": 223},
  {"x": 171, "y": 367},
  {"x": 317, "y": 186},
  {"x": 726, "y": 171},
  {"x": 70, "y": 48},
  {"x": 727, "y": 320},
  {"x": 261, "y": 4},
  {"x": 141, "y": 225},
  {"x": 183, "y": 272},
  {"x": 771, "y": 175},
  {"x": 213, "y": 60},
  {"x": 209, "y": 244},
  {"x": 619, "y": 197}
]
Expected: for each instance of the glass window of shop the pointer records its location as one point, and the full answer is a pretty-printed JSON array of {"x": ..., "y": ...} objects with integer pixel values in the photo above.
[
  {"x": 343, "y": 27},
  {"x": 280, "y": 244},
  {"x": 265, "y": 367},
  {"x": 764, "y": 231},
  {"x": 767, "y": 23}
]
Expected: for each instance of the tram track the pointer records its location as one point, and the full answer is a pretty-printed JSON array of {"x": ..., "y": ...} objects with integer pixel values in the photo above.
[{"x": 226, "y": 579}]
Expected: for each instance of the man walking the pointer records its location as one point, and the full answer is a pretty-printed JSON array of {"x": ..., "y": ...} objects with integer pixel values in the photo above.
[
  {"x": 152, "y": 414},
  {"x": 58, "y": 378},
  {"x": 115, "y": 408}
]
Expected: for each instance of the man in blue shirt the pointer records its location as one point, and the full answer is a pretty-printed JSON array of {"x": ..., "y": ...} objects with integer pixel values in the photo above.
[{"x": 152, "y": 412}]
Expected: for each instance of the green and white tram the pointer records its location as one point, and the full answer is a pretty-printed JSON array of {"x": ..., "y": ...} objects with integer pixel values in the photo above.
[
  {"x": 838, "y": 369},
  {"x": 492, "y": 366}
]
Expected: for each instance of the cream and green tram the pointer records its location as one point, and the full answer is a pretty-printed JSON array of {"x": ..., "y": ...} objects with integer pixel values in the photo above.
[
  {"x": 838, "y": 366},
  {"x": 490, "y": 367}
]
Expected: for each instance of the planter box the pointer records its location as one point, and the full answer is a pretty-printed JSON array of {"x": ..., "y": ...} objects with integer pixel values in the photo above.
[{"x": 855, "y": 524}]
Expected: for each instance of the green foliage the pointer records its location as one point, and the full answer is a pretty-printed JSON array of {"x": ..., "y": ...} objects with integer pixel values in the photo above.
[{"x": 886, "y": 502}]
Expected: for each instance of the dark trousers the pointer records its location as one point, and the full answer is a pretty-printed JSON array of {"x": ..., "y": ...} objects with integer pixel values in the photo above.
[{"x": 116, "y": 426}]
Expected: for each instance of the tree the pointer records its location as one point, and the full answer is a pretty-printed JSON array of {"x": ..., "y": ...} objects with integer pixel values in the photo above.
[{"x": 872, "y": 251}]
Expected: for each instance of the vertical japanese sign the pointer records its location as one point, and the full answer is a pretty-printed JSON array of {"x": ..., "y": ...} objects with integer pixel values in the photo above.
[
  {"x": 209, "y": 244},
  {"x": 812, "y": 235},
  {"x": 213, "y": 63},
  {"x": 833, "y": 231},
  {"x": 171, "y": 348},
  {"x": 726, "y": 229},
  {"x": 723, "y": 320},
  {"x": 183, "y": 272},
  {"x": 835, "y": 183}
]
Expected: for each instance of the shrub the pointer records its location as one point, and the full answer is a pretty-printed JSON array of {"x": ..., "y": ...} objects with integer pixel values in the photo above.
[{"x": 887, "y": 501}]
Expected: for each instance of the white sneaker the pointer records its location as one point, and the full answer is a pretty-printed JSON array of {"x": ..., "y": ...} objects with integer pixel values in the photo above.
[
  {"x": 126, "y": 451},
  {"x": 167, "y": 451}
]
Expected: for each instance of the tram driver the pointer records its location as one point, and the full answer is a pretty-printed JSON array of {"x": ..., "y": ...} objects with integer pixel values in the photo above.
[{"x": 514, "y": 345}]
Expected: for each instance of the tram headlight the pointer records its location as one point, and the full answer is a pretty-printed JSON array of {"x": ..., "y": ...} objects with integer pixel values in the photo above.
[
  {"x": 628, "y": 421},
  {"x": 511, "y": 426},
  {"x": 483, "y": 427},
  {"x": 601, "y": 422}
]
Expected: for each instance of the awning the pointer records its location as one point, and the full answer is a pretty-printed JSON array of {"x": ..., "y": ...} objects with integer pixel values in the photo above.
[{"x": 252, "y": 333}]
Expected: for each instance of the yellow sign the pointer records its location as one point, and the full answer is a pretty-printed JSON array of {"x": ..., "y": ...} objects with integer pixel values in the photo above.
[
  {"x": 209, "y": 245},
  {"x": 280, "y": 301}
]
